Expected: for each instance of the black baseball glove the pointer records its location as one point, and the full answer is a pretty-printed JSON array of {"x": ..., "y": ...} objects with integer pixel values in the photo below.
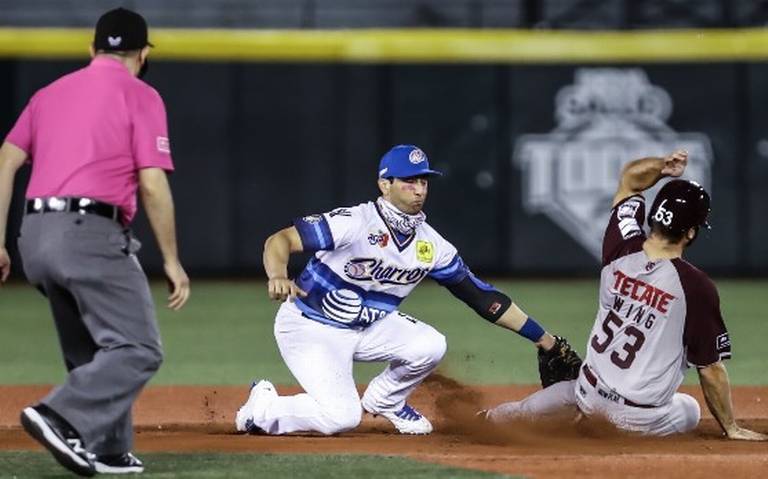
[{"x": 561, "y": 363}]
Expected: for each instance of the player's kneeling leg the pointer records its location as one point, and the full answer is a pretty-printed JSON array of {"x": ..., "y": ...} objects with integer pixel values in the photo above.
[
  {"x": 338, "y": 418},
  {"x": 413, "y": 350},
  {"x": 685, "y": 413},
  {"x": 424, "y": 356}
]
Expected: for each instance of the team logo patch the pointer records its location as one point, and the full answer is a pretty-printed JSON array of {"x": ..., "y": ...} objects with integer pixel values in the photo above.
[
  {"x": 417, "y": 156},
  {"x": 342, "y": 305},
  {"x": 380, "y": 238},
  {"x": 605, "y": 118},
  {"x": 312, "y": 219},
  {"x": 163, "y": 145},
  {"x": 374, "y": 269},
  {"x": 425, "y": 251},
  {"x": 114, "y": 41}
]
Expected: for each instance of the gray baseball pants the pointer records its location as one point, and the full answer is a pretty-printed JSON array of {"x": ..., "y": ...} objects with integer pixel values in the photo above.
[{"x": 105, "y": 319}]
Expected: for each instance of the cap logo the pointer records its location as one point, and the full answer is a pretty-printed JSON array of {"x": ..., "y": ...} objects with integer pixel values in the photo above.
[
  {"x": 383, "y": 172},
  {"x": 417, "y": 156},
  {"x": 114, "y": 41}
]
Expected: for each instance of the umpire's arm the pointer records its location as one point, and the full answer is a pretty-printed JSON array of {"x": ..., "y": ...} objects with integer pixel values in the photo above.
[
  {"x": 277, "y": 251},
  {"x": 158, "y": 203},
  {"x": 11, "y": 159}
]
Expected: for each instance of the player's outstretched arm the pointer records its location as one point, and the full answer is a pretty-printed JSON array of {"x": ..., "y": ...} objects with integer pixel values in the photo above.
[
  {"x": 11, "y": 159},
  {"x": 717, "y": 392},
  {"x": 639, "y": 175},
  {"x": 557, "y": 359},
  {"x": 277, "y": 251},
  {"x": 515, "y": 319}
]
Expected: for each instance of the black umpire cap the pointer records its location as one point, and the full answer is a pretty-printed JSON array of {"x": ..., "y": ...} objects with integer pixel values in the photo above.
[
  {"x": 121, "y": 30},
  {"x": 679, "y": 206}
]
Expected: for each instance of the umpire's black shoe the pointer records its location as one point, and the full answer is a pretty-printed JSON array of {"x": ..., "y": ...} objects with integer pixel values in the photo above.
[
  {"x": 59, "y": 438},
  {"x": 125, "y": 463}
]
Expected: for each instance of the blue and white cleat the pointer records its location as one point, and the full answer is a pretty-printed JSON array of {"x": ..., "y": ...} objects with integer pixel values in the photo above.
[
  {"x": 261, "y": 396},
  {"x": 408, "y": 421}
]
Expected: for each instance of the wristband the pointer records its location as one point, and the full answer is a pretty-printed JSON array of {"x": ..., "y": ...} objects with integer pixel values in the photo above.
[{"x": 531, "y": 330}]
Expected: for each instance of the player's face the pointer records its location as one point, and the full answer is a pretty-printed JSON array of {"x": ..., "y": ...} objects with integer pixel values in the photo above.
[{"x": 408, "y": 194}]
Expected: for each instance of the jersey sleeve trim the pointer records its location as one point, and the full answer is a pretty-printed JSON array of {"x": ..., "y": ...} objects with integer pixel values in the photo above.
[
  {"x": 314, "y": 232},
  {"x": 454, "y": 272}
]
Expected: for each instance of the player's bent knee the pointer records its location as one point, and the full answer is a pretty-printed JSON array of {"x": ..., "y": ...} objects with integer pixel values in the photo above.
[
  {"x": 690, "y": 411},
  {"x": 437, "y": 349},
  {"x": 147, "y": 358},
  {"x": 428, "y": 352},
  {"x": 339, "y": 420},
  {"x": 154, "y": 358}
]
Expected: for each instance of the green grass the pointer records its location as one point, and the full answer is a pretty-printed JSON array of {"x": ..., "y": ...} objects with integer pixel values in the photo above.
[
  {"x": 224, "y": 335},
  {"x": 41, "y": 465}
]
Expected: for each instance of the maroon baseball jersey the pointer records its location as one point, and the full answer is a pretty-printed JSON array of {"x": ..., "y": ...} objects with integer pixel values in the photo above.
[{"x": 655, "y": 317}]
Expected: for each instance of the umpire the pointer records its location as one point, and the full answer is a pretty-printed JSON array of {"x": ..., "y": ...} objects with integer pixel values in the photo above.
[{"x": 93, "y": 138}]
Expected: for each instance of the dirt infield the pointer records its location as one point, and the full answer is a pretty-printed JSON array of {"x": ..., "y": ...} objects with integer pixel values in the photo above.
[{"x": 200, "y": 419}]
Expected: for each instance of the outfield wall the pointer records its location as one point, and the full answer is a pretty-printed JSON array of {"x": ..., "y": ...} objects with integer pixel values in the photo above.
[{"x": 531, "y": 129}]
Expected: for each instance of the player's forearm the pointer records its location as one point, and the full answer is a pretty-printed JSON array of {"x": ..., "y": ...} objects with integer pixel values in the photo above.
[
  {"x": 717, "y": 393},
  {"x": 277, "y": 252},
  {"x": 515, "y": 320},
  {"x": 639, "y": 175},
  {"x": 158, "y": 204}
]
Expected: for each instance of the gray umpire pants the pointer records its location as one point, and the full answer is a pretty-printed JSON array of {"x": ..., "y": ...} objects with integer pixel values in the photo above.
[{"x": 105, "y": 318}]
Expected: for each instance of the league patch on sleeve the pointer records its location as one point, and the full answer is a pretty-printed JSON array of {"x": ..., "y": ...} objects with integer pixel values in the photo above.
[
  {"x": 163, "y": 145},
  {"x": 723, "y": 342},
  {"x": 425, "y": 251},
  {"x": 626, "y": 213},
  {"x": 628, "y": 209}
]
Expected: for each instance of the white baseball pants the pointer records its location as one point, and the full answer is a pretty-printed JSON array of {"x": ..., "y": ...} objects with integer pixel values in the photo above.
[
  {"x": 681, "y": 414},
  {"x": 320, "y": 357}
]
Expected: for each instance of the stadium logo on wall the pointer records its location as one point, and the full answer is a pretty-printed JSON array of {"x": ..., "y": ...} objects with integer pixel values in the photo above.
[{"x": 608, "y": 117}]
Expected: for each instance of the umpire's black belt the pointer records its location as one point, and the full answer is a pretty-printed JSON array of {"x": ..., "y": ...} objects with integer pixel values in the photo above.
[
  {"x": 72, "y": 204},
  {"x": 610, "y": 395}
]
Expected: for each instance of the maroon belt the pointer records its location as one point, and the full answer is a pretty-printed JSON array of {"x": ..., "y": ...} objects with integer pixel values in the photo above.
[{"x": 611, "y": 396}]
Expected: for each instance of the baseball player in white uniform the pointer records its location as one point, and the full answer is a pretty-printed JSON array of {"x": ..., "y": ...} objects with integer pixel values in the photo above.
[
  {"x": 344, "y": 308},
  {"x": 657, "y": 315}
]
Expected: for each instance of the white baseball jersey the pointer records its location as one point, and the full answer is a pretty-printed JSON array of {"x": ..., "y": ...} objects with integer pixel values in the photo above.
[
  {"x": 362, "y": 269},
  {"x": 654, "y": 317}
]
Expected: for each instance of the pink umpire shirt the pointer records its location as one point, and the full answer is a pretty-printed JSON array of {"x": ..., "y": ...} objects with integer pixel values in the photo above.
[{"x": 88, "y": 133}]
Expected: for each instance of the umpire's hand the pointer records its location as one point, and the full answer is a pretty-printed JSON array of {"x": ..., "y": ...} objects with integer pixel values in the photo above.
[
  {"x": 282, "y": 288},
  {"x": 178, "y": 284}
]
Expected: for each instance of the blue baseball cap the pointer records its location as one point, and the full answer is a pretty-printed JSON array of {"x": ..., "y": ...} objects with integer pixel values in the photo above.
[{"x": 405, "y": 161}]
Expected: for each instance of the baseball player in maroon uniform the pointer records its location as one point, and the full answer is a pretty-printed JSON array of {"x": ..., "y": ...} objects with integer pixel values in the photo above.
[{"x": 657, "y": 316}]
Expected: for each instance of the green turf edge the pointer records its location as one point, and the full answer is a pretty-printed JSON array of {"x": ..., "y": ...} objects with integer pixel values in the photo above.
[{"x": 26, "y": 464}]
